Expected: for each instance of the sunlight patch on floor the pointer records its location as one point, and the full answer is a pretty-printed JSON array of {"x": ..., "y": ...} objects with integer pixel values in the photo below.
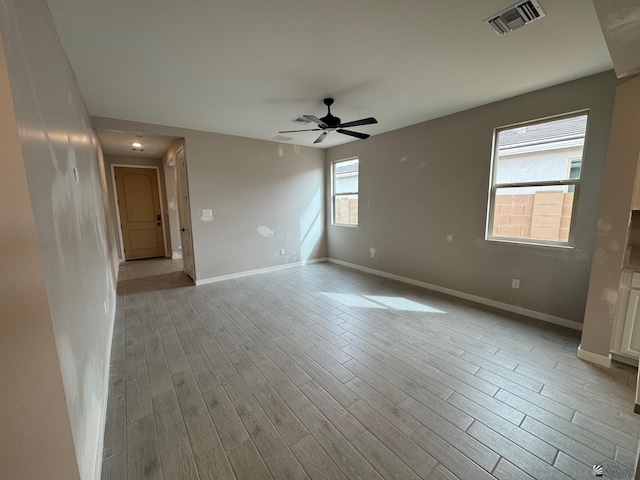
[
  {"x": 380, "y": 302},
  {"x": 399, "y": 303}
]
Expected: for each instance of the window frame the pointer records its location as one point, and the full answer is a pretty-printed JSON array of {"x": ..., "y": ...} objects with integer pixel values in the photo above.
[
  {"x": 576, "y": 183},
  {"x": 334, "y": 194}
]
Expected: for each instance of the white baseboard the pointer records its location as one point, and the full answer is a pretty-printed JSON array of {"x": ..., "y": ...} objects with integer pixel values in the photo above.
[
  {"x": 596, "y": 358},
  {"x": 105, "y": 401},
  {"x": 247, "y": 273},
  {"x": 466, "y": 296},
  {"x": 176, "y": 255},
  {"x": 624, "y": 359}
]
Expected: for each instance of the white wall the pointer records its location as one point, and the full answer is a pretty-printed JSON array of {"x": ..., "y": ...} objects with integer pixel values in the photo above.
[
  {"x": 33, "y": 407},
  {"x": 75, "y": 243}
]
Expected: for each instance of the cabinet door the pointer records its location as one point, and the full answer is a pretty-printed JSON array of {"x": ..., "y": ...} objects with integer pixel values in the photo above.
[{"x": 630, "y": 334}]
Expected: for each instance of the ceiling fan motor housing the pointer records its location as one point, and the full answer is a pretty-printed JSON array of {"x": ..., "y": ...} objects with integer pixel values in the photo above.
[{"x": 331, "y": 121}]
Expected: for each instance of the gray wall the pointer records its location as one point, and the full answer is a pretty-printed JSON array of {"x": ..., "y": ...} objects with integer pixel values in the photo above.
[
  {"x": 73, "y": 240},
  {"x": 622, "y": 162},
  {"x": 265, "y": 197},
  {"x": 423, "y": 204}
]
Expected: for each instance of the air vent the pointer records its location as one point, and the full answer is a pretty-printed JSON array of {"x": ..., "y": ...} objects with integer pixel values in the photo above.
[
  {"x": 300, "y": 121},
  {"x": 282, "y": 138},
  {"x": 515, "y": 16}
]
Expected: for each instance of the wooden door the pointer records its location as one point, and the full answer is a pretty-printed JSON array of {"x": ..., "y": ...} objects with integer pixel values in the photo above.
[
  {"x": 140, "y": 214},
  {"x": 184, "y": 213}
]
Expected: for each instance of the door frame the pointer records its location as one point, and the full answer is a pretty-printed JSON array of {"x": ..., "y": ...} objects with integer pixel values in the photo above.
[
  {"x": 115, "y": 198},
  {"x": 182, "y": 149}
]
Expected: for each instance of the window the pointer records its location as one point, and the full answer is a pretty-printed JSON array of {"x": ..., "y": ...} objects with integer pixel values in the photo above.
[
  {"x": 344, "y": 190},
  {"x": 575, "y": 166},
  {"x": 535, "y": 180}
]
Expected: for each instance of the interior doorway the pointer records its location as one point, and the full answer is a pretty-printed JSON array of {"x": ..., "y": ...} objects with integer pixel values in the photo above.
[
  {"x": 184, "y": 212},
  {"x": 139, "y": 212}
]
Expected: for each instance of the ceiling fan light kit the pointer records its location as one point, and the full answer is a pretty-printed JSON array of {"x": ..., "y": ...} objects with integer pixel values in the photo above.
[{"x": 330, "y": 123}]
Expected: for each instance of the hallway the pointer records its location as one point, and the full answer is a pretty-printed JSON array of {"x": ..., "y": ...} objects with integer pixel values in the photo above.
[{"x": 322, "y": 372}]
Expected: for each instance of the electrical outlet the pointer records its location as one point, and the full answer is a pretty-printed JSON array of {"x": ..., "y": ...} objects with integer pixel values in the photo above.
[
  {"x": 515, "y": 283},
  {"x": 207, "y": 213},
  {"x": 282, "y": 251}
]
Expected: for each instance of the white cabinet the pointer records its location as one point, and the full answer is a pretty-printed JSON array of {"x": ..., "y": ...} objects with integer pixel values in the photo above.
[
  {"x": 626, "y": 335},
  {"x": 635, "y": 202},
  {"x": 630, "y": 340}
]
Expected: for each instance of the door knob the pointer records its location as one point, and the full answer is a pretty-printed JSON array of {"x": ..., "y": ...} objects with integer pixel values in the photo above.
[{"x": 182, "y": 229}]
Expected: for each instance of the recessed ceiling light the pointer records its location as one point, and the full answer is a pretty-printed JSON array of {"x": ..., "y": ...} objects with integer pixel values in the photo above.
[{"x": 136, "y": 144}]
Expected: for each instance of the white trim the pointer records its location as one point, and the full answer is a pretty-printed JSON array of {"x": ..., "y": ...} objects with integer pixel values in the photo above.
[
  {"x": 115, "y": 198},
  {"x": 617, "y": 357},
  {"x": 117, "y": 209},
  {"x": 596, "y": 358},
  {"x": 620, "y": 312},
  {"x": 467, "y": 296},
  {"x": 105, "y": 403},
  {"x": 185, "y": 219},
  {"x": 541, "y": 147},
  {"x": 247, "y": 273},
  {"x": 333, "y": 193}
]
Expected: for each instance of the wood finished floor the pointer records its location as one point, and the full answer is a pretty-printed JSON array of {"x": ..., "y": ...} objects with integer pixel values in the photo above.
[{"x": 321, "y": 372}]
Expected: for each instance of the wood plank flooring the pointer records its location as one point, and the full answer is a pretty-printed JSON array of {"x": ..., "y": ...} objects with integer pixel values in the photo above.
[{"x": 321, "y": 372}]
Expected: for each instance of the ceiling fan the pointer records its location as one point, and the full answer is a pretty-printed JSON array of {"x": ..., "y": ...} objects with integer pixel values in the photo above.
[{"x": 329, "y": 123}]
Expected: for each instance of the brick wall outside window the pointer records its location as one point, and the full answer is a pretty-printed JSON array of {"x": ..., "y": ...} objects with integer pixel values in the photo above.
[
  {"x": 346, "y": 211},
  {"x": 545, "y": 215}
]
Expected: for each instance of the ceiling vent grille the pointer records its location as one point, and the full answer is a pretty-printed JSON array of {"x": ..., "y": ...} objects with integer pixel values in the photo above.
[
  {"x": 515, "y": 16},
  {"x": 300, "y": 121},
  {"x": 282, "y": 138}
]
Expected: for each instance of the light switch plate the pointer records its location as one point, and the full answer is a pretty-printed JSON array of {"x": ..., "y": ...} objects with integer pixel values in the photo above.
[{"x": 207, "y": 213}]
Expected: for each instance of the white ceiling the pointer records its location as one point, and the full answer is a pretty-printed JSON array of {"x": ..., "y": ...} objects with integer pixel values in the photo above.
[
  {"x": 248, "y": 67},
  {"x": 116, "y": 142},
  {"x": 620, "y": 22}
]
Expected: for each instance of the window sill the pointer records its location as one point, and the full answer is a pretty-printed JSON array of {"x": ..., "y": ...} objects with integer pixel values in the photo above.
[{"x": 530, "y": 243}]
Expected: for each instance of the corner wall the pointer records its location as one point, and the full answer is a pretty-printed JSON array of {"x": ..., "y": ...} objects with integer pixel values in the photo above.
[
  {"x": 61, "y": 160},
  {"x": 613, "y": 219},
  {"x": 265, "y": 197},
  {"x": 423, "y": 204}
]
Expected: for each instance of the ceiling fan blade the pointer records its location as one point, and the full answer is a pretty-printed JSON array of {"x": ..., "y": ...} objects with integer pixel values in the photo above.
[
  {"x": 362, "y": 136},
  {"x": 363, "y": 121},
  {"x": 315, "y": 119},
  {"x": 321, "y": 137},
  {"x": 307, "y": 130}
]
